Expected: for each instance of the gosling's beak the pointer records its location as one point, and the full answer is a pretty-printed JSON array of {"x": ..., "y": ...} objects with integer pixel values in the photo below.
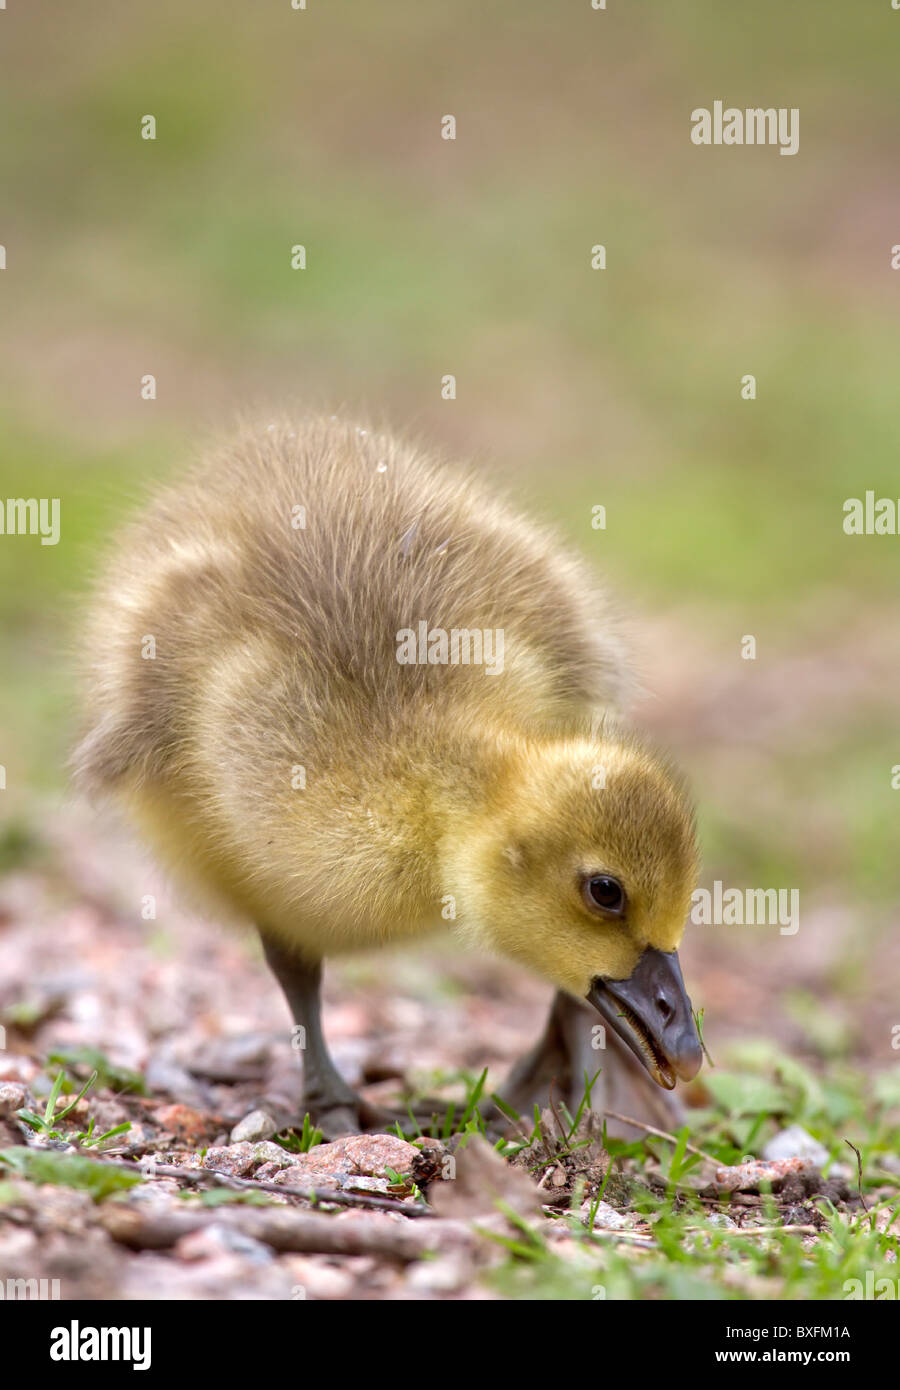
[{"x": 651, "y": 1012}]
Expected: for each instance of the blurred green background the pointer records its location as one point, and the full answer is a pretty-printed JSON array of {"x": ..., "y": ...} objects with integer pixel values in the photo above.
[{"x": 575, "y": 386}]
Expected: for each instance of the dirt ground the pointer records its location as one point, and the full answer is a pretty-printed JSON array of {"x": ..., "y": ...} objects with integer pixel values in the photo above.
[
  {"x": 100, "y": 956},
  {"x": 192, "y": 1008}
]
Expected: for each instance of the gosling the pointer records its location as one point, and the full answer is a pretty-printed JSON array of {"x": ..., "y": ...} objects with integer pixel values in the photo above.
[{"x": 352, "y": 699}]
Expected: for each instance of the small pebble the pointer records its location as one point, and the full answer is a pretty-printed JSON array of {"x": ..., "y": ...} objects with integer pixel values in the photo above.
[
  {"x": 606, "y": 1218},
  {"x": 240, "y": 1160},
  {"x": 747, "y": 1177},
  {"x": 217, "y": 1239},
  {"x": 446, "y": 1274},
  {"x": 12, "y": 1098},
  {"x": 795, "y": 1142},
  {"x": 257, "y": 1125}
]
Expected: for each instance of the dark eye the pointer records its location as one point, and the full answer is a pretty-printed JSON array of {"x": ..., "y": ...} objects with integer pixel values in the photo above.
[{"x": 605, "y": 892}]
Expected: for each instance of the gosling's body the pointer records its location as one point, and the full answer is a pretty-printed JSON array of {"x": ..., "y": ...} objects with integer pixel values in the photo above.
[
  {"x": 249, "y": 710},
  {"x": 276, "y": 650}
]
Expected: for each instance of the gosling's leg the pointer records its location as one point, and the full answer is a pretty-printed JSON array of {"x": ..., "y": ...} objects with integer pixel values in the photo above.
[
  {"x": 332, "y": 1105},
  {"x": 567, "y": 1052}
]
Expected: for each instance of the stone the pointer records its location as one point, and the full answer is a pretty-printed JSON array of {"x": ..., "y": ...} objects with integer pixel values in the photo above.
[
  {"x": 185, "y": 1123},
  {"x": 218, "y": 1239},
  {"x": 366, "y": 1155},
  {"x": 606, "y": 1218},
  {"x": 259, "y": 1124},
  {"x": 747, "y": 1177},
  {"x": 12, "y": 1098},
  {"x": 795, "y": 1142},
  {"x": 241, "y": 1160}
]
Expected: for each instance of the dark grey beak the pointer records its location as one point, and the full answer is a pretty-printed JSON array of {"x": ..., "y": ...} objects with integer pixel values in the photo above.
[{"x": 651, "y": 1012}]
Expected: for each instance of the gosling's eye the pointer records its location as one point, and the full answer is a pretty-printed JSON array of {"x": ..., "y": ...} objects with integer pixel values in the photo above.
[{"x": 605, "y": 892}]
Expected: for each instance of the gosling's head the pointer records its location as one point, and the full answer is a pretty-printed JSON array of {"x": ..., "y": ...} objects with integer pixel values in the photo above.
[{"x": 583, "y": 869}]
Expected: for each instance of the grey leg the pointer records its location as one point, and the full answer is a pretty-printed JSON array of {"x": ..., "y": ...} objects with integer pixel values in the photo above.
[
  {"x": 565, "y": 1055},
  {"x": 326, "y": 1096},
  {"x": 333, "y": 1105}
]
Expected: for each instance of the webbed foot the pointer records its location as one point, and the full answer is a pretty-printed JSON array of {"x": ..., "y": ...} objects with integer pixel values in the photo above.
[{"x": 575, "y": 1054}]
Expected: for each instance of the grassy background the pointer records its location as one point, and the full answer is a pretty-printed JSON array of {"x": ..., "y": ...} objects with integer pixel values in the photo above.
[{"x": 575, "y": 387}]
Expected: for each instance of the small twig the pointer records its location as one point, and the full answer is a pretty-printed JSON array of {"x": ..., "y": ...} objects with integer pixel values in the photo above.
[
  {"x": 641, "y": 1238},
  {"x": 638, "y": 1237},
  {"x": 660, "y": 1134},
  {"x": 285, "y": 1229},
  {"x": 339, "y": 1196},
  {"x": 563, "y": 1132},
  {"x": 763, "y": 1230},
  {"x": 336, "y": 1195}
]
